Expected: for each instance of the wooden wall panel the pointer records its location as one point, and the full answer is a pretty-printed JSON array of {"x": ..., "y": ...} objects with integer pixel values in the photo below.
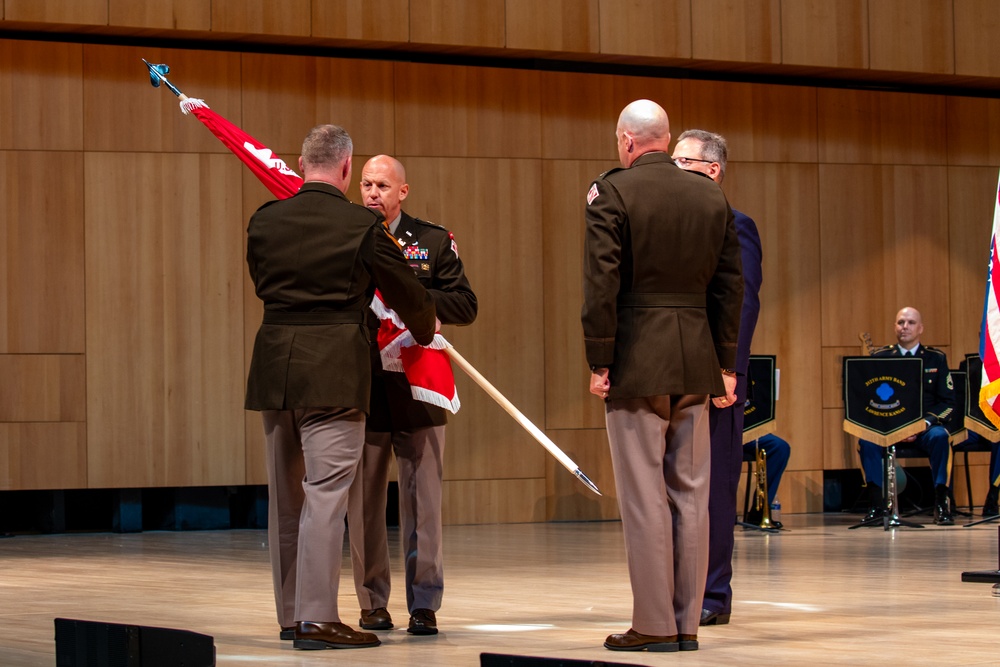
[
  {"x": 78, "y": 12},
  {"x": 912, "y": 36},
  {"x": 262, "y": 17},
  {"x": 783, "y": 200},
  {"x": 736, "y": 30},
  {"x": 880, "y": 229},
  {"x": 977, "y": 23},
  {"x": 165, "y": 321},
  {"x": 801, "y": 491},
  {"x": 472, "y": 112},
  {"x": 853, "y": 262},
  {"x": 374, "y": 20},
  {"x": 493, "y": 501},
  {"x": 165, "y": 14},
  {"x": 979, "y": 476},
  {"x": 825, "y": 34},
  {"x": 43, "y": 388},
  {"x": 491, "y": 206},
  {"x": 117, "y": 79},
  {"x": 646, "y": 27},
  {"x": 972, "y": 193},
  {"x": 286, "y": 96},
  {"x": 840, "y": 451},
  {"x": 568, "y": 401},
  {"x": 762, "y": 123},
  {"x": 567, "y": 497},
  {"x": 832, "y": 359},
  {"x": 43, "y": 455},
  {"x": 973, "y": 131},
  {"x": 41, "y": 244},
  {"x": 579, "y": 112},
  {"x": 457, "y": 22},
  {"x": 41, "y": 93},
  {"x": 881, "y": 128},
  {"x": 567, "y": 25}
]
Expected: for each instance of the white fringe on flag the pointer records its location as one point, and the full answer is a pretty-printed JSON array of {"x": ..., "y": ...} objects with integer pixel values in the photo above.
[
  {"x": 192, "y": 103},
  {"x": 434, "y": 398}
]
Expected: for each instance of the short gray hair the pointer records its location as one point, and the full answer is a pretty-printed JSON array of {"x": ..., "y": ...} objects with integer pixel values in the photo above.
[
  {"x": 713, "y": 147},
  {"x": 326, "y": 146}
]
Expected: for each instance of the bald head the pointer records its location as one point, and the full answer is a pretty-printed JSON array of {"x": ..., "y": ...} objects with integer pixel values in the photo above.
[
  {"x": 909, "y": 327},
  {"x": 643, "y": 127},
  {"x": 384, "y": 186}
]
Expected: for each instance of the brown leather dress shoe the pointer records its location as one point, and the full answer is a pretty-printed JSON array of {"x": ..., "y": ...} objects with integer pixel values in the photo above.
[
  {"x": 287, "y": 633},
  {"x": 313, "y": 636},
  {"x": 375, "y": 619},
  {"x": 688, "y": 642},
  {"x": 635, "y": 641},
  {"x": 422, "y": 622}
]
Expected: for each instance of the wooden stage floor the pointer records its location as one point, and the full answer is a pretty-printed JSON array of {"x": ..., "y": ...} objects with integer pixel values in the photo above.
[{"x": 819, "y": 594}]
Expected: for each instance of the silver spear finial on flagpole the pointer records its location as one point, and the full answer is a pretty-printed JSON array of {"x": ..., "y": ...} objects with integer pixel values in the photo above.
[{"x": 158, "y": 74}]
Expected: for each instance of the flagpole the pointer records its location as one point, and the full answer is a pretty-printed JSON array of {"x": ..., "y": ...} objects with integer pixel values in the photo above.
[{"x": 543, "y": 439}]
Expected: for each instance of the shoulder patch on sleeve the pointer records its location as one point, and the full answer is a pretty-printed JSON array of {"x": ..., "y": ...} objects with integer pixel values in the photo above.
[{"x": 592, "y": 194}]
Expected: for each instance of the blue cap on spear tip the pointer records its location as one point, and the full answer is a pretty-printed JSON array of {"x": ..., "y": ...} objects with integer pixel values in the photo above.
[{"x": 158, "y": 73}]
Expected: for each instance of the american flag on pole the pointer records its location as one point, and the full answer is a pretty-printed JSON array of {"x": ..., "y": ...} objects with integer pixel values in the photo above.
[
  {"x": 427, "y": 369},
  {"x": 989, "y": 337}
]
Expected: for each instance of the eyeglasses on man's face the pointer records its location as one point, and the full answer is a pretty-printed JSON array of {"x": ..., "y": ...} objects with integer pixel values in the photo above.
[{"x": 687, "y": 161}]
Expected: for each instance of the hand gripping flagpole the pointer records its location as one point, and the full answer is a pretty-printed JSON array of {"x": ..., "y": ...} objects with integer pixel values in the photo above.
[{"x": 543, "y": 439}]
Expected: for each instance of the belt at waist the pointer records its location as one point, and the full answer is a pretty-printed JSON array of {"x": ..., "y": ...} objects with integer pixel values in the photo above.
[
  {"x": 317, "y": 317},
  {"x": 662, "y": 299}
]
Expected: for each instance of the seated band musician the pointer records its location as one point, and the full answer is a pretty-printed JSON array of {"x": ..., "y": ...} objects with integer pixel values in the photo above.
[{"x": 939, "y": 403}]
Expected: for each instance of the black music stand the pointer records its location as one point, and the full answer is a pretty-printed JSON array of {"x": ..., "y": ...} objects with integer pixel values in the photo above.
[
  {"x": 883, "y": 402},
  {"x": 758, "y": 419},
  {"x": 975, "y": 419}
]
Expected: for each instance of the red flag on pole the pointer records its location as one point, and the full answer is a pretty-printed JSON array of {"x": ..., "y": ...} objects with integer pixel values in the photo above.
[
  {"x": 272, "y": 171},
  {"x": 427, "y": 369},
  {"x": 989, "y": 342}
]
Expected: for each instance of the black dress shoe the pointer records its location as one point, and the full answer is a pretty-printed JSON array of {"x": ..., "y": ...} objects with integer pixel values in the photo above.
[
  {"x": 314, "y": 636},
  {"x": 287, "y": 633},
  {"x": 422, "y": 622},
  {"x": 375, "y": 619},
  {"x": 709, "y": 617},
  {"x": 635, "y": 641},
  {"x": 942, "y": 506},
  {"x": 942, "y": 515}
]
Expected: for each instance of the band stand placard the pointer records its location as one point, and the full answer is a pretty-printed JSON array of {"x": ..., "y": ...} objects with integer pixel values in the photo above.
[
  {"x": 762, "y": 392},
  {"x": 883, "y": 398},
  {"x": 975, "y": 420}
]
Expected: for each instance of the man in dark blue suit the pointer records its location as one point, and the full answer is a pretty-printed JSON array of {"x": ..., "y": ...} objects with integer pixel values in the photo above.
[{"x": 706, "y": 153}]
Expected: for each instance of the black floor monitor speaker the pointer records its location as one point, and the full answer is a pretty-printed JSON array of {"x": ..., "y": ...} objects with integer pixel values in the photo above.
[
  {"x": 500, "y": 660},
  {"x": 96, "y": 644}
]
